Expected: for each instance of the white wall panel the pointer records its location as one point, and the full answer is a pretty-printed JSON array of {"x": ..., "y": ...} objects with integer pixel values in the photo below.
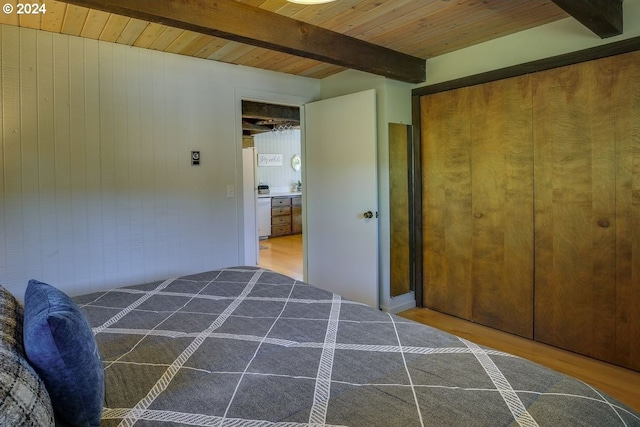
[
  {"x": 95, "y": 256},
  {"x": 79, "y": 221},
  {"x": 45, "y": 155},
  {"x": 132, "y": 104},
  {"x": 96, "y": 184},
  {"x": 12, "y": 171},
  {"x": 60, "y": 227},
  {"x": 28, "y": 150}
]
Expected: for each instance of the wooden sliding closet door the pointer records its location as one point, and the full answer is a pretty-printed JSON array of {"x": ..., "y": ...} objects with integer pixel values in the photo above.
[
  {"x": 478, "y": 204},
  {"x": 446, "y": 202},
  {"x": 502, "y": 189},
  {"x": 627, "y": 129},
  {"x": 575, "y": 199},
  {"x": 587, "y": 174},
  {"x": 584, "y": 294},
  {"x": 552, "y": 158}
]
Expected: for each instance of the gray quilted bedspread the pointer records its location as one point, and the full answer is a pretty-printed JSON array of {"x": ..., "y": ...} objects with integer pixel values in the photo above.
[{"x": 248, "y": 347}]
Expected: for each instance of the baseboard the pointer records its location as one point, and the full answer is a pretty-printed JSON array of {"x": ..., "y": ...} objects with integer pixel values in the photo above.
[{"x": 399, "y": 304}]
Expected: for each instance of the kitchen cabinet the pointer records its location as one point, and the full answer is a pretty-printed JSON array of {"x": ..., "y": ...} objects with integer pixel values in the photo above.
[
  {"x": 286, "y": 215},
  {"x": 280, "y": 216},
  {"x": 296, "y": 215}
]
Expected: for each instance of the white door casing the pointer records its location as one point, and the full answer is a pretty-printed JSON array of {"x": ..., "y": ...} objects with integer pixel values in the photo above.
[
  {"x": 251, "y": 251},
  {"x": 341, "y": 186}
]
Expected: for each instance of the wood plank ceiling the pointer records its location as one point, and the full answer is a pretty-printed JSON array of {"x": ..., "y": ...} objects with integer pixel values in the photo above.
[{"x": 421, "y": 28}]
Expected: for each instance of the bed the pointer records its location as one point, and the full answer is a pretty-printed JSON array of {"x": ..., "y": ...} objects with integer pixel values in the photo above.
[{"x": 245, "y": 346}]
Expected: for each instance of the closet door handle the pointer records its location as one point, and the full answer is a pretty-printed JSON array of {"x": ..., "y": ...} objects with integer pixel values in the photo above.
[
  {"x": 477, "y": 215},
  {"x": 604, "y": 223}
]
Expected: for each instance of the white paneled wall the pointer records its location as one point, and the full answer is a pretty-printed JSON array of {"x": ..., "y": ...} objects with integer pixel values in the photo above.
[
  {"x": 287, "y": 143},
  {"x": 96, "y": 185}
]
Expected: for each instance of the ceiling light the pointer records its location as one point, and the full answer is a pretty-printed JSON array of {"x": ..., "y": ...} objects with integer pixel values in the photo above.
[{"x": 310, "y": 1}]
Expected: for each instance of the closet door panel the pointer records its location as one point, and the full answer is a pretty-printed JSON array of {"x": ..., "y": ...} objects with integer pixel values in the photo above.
[
  {"x": 627, "y": 113},
  {"x": 574, "y": 184},
  {"x": 446, "y": 202},
  {"x": 502, "y": 188},
  {"x": 602, "y": 79}
]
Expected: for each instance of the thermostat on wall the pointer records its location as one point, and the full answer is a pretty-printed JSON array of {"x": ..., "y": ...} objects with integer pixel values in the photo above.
[{"x": 195, "y": 158}]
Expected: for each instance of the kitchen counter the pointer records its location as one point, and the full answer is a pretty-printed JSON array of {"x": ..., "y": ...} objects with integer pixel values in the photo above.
[{"x": 281, "y": 194}]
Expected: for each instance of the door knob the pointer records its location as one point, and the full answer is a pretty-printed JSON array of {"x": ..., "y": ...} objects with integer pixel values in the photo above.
[{"x": 368, "y": 214}]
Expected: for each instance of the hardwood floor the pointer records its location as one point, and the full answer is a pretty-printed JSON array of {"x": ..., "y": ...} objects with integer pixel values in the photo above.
[{"x": 284, "y": 255}]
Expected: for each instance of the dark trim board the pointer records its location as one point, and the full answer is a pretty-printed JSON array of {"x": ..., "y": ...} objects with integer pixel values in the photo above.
[{"x": 598, "y": 52}]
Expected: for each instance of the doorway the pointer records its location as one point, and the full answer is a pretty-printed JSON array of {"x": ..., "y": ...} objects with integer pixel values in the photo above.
[{"x": 272, "y": 133}]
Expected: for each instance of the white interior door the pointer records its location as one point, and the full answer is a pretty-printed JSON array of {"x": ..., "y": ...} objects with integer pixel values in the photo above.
[{"x": 341, "y": 183}]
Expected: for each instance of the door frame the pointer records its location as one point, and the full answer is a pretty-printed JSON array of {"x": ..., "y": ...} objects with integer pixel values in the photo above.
[
  {"x": 250, "y": 222},
  {"x": 278, "y": 99}
]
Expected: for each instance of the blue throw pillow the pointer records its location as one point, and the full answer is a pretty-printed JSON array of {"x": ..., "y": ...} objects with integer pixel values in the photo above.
[{"x": 61, "y": 347}]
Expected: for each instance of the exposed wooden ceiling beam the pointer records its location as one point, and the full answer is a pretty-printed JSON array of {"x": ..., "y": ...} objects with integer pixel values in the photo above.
[
  {"x": 254, "y": 128},
  {"x": 603, "y": 17},
  {"x": 240, "y": 22},
  {"x": 260, "y": 110}
]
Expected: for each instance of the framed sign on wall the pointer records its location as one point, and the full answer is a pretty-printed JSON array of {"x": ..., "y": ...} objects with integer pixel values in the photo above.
[{"x": 269, "y": 159}]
